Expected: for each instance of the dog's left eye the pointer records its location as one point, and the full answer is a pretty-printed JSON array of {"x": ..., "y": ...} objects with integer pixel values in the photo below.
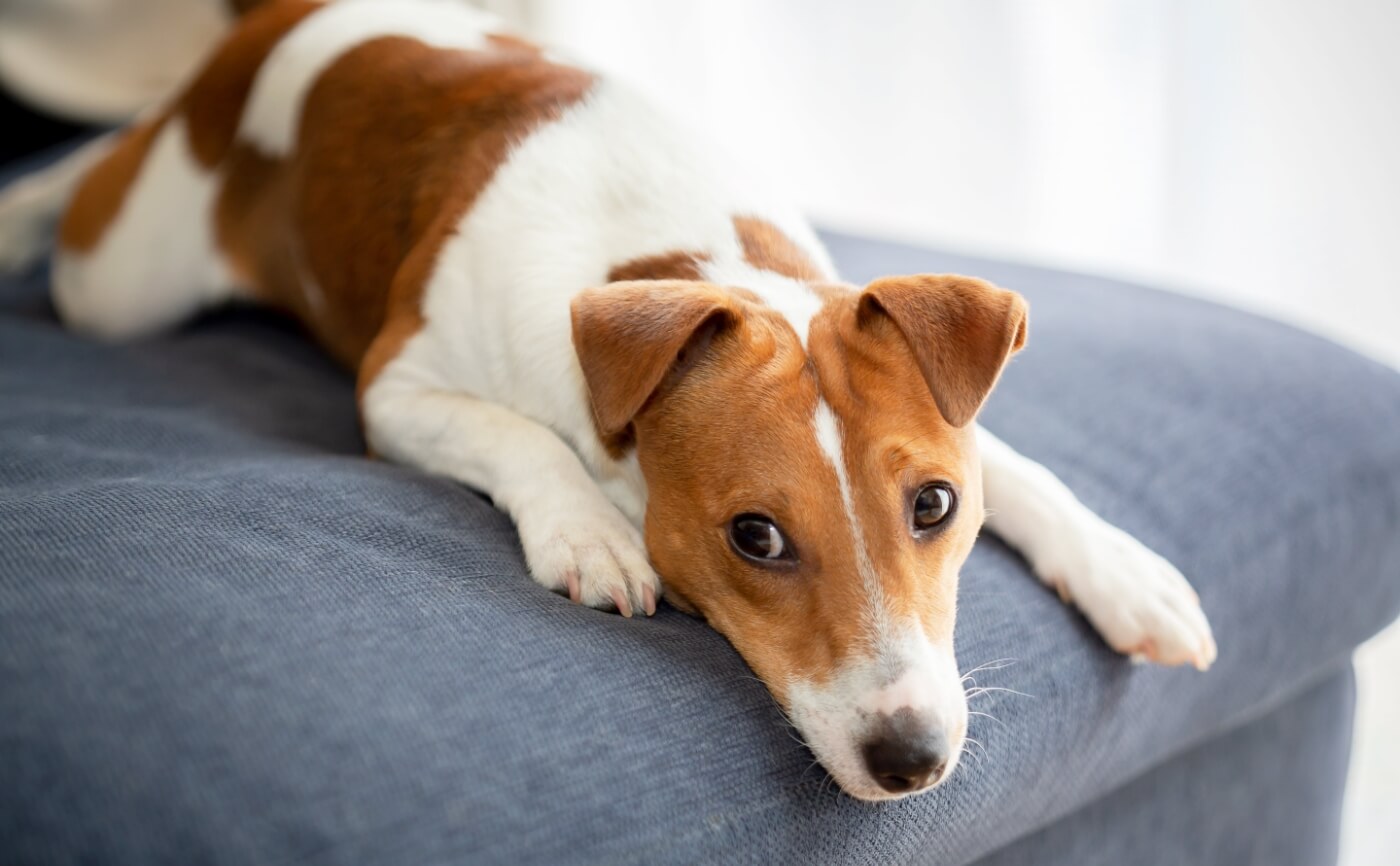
[
  {"x": 759, "y": 538},
  {"x": 932, "y": 505}
]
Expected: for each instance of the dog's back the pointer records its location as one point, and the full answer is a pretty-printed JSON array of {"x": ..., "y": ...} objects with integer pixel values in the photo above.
[{"x": 314, "y": 151}]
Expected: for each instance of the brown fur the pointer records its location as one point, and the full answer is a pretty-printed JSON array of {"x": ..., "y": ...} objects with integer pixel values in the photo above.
[
  {"x": 239, "y": 7},
  {"x": 99, "y": 197},
  {"x": 768, "y": 249},
  {"x": 397, "y": 140},
  {"x": 213, "y": 102},
  {"x": 803, "y": 620},
  {"x": 211, "y": 107},
  {"x": 677, "y": 265},
  {"x": 961, "y": 331},
  {"x": 629, "y": 335}
]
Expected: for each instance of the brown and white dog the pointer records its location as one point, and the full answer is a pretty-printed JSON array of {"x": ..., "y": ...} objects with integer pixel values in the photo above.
[{"x": 552, "y": 292}]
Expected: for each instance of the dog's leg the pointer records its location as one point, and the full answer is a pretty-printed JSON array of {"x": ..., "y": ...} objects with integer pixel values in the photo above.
[
  {"x": 1137, "y": 600},
  {"x": 575, "y": 539},
  {"x": 136, "y": 247},
  {"x": 29, "y": 207}
]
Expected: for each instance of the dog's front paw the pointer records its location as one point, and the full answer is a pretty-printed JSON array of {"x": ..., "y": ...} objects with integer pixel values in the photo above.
[
  {"x": 590, "y": 551},
  {"x": 1137, "y": 600}
]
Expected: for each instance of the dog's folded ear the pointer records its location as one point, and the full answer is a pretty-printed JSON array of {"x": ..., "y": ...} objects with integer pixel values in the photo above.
[
  {"x": 961, "y": 330},
  {"x": 630, "y": 336}
]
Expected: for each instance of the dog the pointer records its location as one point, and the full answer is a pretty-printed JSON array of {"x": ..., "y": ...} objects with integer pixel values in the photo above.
[{"x": 553, "y": 292}]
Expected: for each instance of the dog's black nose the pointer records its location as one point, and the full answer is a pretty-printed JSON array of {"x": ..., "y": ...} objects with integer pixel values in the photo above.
[{"x": 901, "y": 762}]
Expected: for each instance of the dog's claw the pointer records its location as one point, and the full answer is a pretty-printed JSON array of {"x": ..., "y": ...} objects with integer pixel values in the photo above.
[
  {"x": 590, "y": 551},
  {"x": 571, "y": 581},
  {"x": 620, "y": 599},
  {"x": 649, "y": 600}
]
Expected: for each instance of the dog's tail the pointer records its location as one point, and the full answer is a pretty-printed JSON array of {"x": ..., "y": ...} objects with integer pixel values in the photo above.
[{"x": 30, "y": 205}]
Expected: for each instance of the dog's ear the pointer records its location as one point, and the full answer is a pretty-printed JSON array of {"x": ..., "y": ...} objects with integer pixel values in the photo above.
[
  {"x": 630, "y": 335},
  {"x": 961, "y": 330}
]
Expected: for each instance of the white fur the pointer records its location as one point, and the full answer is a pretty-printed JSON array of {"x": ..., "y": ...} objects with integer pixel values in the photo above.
[
  {"x": 157, "y": 262},
  {"x": 828, "y": 434},
  {"x": 792, "y": 299},
  {"x": 274, "y": 108},
  {"x": 1139, "y": 602},
  {"x": 568, "y": 528},
  {"x": 30, "y": 205},
  {"x": 836, "y": 717}
]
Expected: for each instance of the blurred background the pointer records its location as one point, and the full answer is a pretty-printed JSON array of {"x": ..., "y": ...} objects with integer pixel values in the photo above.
[
  {"x": 1243, "y": 150},
  {"x": 1238, "y": 148}
]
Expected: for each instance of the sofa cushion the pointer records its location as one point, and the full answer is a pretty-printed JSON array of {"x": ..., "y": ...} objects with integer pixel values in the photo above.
[{"x": 225, "y": 636}]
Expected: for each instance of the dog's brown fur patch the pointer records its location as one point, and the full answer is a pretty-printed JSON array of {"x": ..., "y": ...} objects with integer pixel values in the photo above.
[
  {"x": 768, "y": 249},
  {"x": 675, "y": 265},
  {"x": 99, "y": 197}
]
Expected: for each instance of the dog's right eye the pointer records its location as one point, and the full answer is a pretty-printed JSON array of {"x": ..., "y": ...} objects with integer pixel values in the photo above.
[{"x": 758, "y": 538}]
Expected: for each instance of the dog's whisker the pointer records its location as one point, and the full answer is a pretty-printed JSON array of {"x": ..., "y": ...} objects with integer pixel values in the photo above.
[
  {"x": 794, "y": 733},
  {"x": 986, "y": 716},
  {"x": 982, "y": 690},
  {"x": 994, "y": 665}
]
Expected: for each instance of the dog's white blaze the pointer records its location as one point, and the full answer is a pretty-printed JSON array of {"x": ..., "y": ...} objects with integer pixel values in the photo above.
[
  {"x": 828, "y": 432},
  {"x": 273, "y": 113},
  {"x": 929, "y": 682},
  {"x": 909, "y": 690},
  {"x": 901, "y": 668}
]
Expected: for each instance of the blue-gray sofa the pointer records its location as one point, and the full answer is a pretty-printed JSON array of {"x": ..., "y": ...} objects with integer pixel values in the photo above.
[{"x": 227, "y": 637}]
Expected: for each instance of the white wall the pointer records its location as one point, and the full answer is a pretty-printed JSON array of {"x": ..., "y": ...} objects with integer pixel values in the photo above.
[{"x": 1246, "y": 149}]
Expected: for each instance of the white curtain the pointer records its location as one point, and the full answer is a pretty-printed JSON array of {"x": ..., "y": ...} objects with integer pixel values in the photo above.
[{"x": 1245, "y": 149}]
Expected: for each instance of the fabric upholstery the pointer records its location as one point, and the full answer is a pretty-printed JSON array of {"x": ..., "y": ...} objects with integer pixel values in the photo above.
[{"x": 1269, "y": 793}]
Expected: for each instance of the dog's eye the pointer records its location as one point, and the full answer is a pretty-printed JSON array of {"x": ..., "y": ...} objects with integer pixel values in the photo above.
[
  {"x": 932, "y": 505},
  {"x": 757, "y": 537}
]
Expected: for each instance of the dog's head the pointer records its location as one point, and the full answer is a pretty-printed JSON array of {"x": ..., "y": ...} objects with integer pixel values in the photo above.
[{"x": 813, "y": 489}]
